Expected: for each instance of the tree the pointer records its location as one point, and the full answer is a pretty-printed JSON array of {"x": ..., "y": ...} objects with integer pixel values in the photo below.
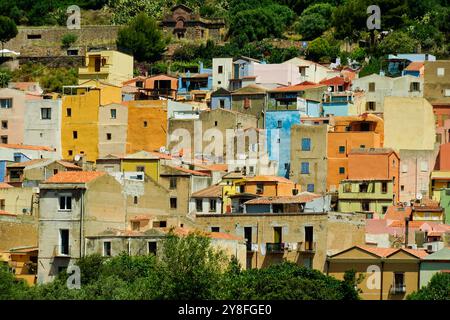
[
  {"x": 8, "y": 30},
  {"x": 397, "y": 42},
  {"x": 322, "y": 49},
  {"x": 5, "y": 77},
  {"x": 437, "y": 289},
  {"x": 142, "y": 38},
  {"x": 68, "y": 39},
  {"x": 10, "y": 287}
]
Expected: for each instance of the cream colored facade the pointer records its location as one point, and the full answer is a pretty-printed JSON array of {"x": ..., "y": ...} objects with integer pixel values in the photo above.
[
  {"x": 409, "y": 124},
  {"x": 112, "y": 129},
  {"x": 222, "y": 72},
  {"x": 110, "y": 66}
]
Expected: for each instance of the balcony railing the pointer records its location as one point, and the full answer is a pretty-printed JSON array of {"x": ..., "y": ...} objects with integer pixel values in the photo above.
[
  {"x": 62, "y": 251},
  {"x": 307, "y": 246},
  {"x": 398, "y": 289},
  {"x": 275, "y": 247}
]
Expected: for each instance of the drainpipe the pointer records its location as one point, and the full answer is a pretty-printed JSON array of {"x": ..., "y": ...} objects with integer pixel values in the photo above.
[
  {"x": 406, "y": 231},
  {"x": 381, "y": 280},
  {"x": 82, "y": 248}
]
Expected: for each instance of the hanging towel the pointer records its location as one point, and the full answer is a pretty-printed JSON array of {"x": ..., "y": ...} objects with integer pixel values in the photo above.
[
  {"x": 255, "y": 247},
  {"x": 263, "y": 249},
  {"x": 294, "y": 246}
]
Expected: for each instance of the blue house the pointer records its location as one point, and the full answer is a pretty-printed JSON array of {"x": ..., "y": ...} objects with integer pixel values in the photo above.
[
  {"x": 201, "y": 81},
  {"x": 278, "y": 126},
  {"x": 337, "y": 104},
  {"x": 18, "y": 157},
  {"x": 221, "y": 98}
]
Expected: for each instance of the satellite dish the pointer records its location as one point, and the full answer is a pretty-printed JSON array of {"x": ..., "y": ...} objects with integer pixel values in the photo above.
[
  {"x": 77, "y": 157},
  {"x": 162, "y": 149},
  {"x": 419, "y": 196},
  {"x": 329, "y": 89}
]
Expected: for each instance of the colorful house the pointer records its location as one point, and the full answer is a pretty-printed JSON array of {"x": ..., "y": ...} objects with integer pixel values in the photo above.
[
  {"x": 389, "y": 273},
  {"x": 221, "y": 98},
  {"x": 110, "y": 66},
  {"x": 278, "y": 125},
  {"x": 436, "y": 262},
  {"x": 439, "y": 180},
  {"x": 294, "y": 96},
  {"x": 445, "y": 203},
  {"x": 252, "y": 100}
]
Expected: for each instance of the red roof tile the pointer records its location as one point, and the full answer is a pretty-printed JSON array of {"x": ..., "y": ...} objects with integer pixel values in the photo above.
[
  {"x": 210, "y": 192},
  {"x": 333, "y": 81},
  {"x": 301, "y": 198},
  {"x": 27, "y": 147},
  {"x": 4, "y": 185},
  {"x": 398, "y": 213},
  {"x": 415, "y": 66},
  {"x": 193, "y": 172},
  {"x": 75, "y": 177},
  {"x": 269, "y": 179},
  {"x": 298, "y": 87},
  {"x": 6, "y": 213}
]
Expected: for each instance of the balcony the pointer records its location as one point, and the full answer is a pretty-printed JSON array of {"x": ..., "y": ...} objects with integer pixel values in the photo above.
[
  {"x": 398, "y": 289},
  {"x": 62, "y": 251},
  {"x": 275, "y": 247},
  {"x": 307, "y": 246},
  {"x": 92, "y": 70}
]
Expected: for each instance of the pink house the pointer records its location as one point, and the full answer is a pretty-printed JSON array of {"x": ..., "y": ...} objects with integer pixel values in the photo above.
[{"x": 12, "y": 112}]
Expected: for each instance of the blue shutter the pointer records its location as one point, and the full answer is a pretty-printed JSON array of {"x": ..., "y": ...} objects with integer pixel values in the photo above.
[
  {"x": 305, "y": 168},
  {"x": 306, "y": 144},
  {"x": 310, "y": 187}
]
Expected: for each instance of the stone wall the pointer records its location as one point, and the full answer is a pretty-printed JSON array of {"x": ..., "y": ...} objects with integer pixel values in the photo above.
[{"x": 18, "y": 231}]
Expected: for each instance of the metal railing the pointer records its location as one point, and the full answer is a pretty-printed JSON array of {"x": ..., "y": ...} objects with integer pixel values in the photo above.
[
  {"x": 398, "y": 289},
  {"x": 275, "y": 247},
  {"x": 307, "y": 246}
]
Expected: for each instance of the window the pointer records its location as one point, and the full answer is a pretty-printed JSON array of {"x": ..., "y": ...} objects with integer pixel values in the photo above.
[
  {"x": 140, "y": 168},
  {"x": 423, "y": 166},
  {"x": 135, "y": 200},
  {"x": 145, "y": 124},
  {"x": 108, "y": 136},
  {"x": 309, "y": 238},
  {"x": 75, "y": 134},
  {"x": 55, "y": 171},
  {"x": 4, "y": 124},
  {"x": 362, "y": 146},
  {"x": 68, "y": 112},
  {"x": 46, "y": 113},
  {"x": 310, "y": 187},
  {"x": 341, "y": 149},
  {"x": 277, "y": 234},
  {"x": 107, "y": 249},
  {"x": 220, "y": 71},
  {"x": 212, "y": 205},
  {"x": 304, "y": 168},
  {"x": 440, "y": 72},
  {"x": 139, "y": 84},
  {"x": 251, "y": 170},
  {"x": 399, "y": 283},
  {"x": 278, "y": 140},
  {"x": 415, "y": 86},
  {"x": 2, "y": 204},
  {"x": 279, "y": 124},
  {"x": 65, "y": 203},
  {"x": 306, "y": 144},
  {"x": 173, "y": 203},
  {"x": 135, "y": 225},
  {"x": 215, "y": 123},
  {"x": 247, "y": 103},
  {"x": 384, "y": 187},
  {"x": 404, "y": 168},
  {"x": 341, "y": 170},
  {"x": 259, "y": 188},
  {"x": 363, "y": 187},
  {"x": 384, "y": 209},
  {"x": 347, "y": 187},
  {"x": 64, "y": 241},
  {"x": 402, "y": 188},
  {"x": 6, "y": 103},
  {"x": 215, "y": 229},
  {"x": 113, "y": 113},
  {"x": 70, "y": 152},
  {"x": 4, "y": 139},
  {"x": 173, "y": 183},
  {"x": 370, "y": 105},
  {"x": 371, "y": 86},
  {"x": 15, "y": 174},
  {"x": 365, "y": 206},
  {"x": 199, "y": 205},
  {"x": 222, "y": 103},
  {"x": 159, "y": 224},
  {"x": 152, "y": 247}
]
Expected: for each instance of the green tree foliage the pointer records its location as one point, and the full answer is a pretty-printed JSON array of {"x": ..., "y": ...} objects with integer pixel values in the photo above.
[
  {"x": 322, "y": 49},
  {"x": 437, "y": 289},
  {"x": 68, "y": 39},
  {"x": 5, "y": 78},
  {"x": 8, "y": 29},
  {"x": 314, "y": 21},
  {"x": 397, "y": 42},
  {"x": 142, "y": 38},
  {"x": 10, "y": 288}
]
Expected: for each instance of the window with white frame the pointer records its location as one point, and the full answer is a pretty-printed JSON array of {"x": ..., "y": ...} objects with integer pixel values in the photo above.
[
  {"x": 65, "y": 202},
  {"x": 440, "y": 72},
  {"x": 107, "y": 248}
]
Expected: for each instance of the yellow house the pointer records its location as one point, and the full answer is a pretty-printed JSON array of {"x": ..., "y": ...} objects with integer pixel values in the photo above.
[
  {"x": 439, "y": 180},
  {"x": 79, "y": 118},
  {"x": 387, "y": 273},
  {"x": 23, "y": 263},
  {"x": 230, "y": 183},
  {"x": 428, "y": 212},
  {"x": 111, "y": 66}
]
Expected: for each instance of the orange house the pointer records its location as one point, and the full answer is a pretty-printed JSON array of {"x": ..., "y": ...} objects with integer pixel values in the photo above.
[
  {"x": 375, "y": 164},
  {"x": 147, "y": 125},
  {"x": 267, "y": 186},
  {"x": 364, "y": 131}
]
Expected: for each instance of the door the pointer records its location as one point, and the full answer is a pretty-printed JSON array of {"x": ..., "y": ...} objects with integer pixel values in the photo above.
[
  {"x": 309, "y": 236},
  {"x": 277, "y": 235},
  {"x": 64, "y": 241}
]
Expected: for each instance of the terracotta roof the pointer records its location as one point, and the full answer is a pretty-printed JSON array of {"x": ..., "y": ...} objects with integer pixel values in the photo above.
[
  {"x": 269, "y": 179},
  {"x": 212, "y": 167},
  {"x": 333, "y": 81},
  {"x": 250, "y": 89},
  {"x": 183, "y": 231},
  {"x": 401, "y": 224},
  {"x": 6, "y": 213},
  {"x": 27, "y": 147},
  {"x": 371, "y": 151},
  {"x": 415, "y": 66},
  {"x": 223, "y": 236},
  {"x": 301, "y": 198},
  {"x": 140, "y": 217},
  {"x": 214, "y": 191},
  {"x": 75, "y": 177},
  {"x": 69, "y": 165},
  {"x": 398, "y": 213},
  {"x": 26, "y": 163},
  {"x": 380, "y": 252},
  {"x": 4, "y": 185},
  {"x": 305, "y": 85},
  {"x": 415, "y": 252},
  {"x": 23, "y": 249}
]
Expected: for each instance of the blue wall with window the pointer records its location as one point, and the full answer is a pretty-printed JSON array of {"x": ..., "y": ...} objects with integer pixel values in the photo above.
[
  {"x": 281, "y": 120},
  {"x": 18, "y": 157},
  {"x": 215, "y": 102},
  {"x": 335, "y": 108}
]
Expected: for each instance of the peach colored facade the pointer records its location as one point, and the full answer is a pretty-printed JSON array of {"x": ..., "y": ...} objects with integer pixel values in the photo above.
[
  {"x": 12, "y": 114},
  {"x": 147, "y": 125},
  {"x": 377, "y": 165},
  {"x": 444, "y": 157},
  {"x": 348, "y": 133},
  {"x": 271, "y": 186}
]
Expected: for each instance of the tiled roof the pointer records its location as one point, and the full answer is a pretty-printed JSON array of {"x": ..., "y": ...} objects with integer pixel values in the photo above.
[
  {"x": 269, "y": 179},
  {"x": 69, "y": 165},
  {"x": 301, "y": 198},
  {"x": 333, "y": 81},
  {"x": 398, "y": 213},
  {"x": 210, "y": 192},
  {"x": 6, "y": 213},
  {"x": 250, "y": 89},
  {"x": 26, "y": 147},
  {"x": 298, "y": 87},
  {"x": 26, "y": 163},
  {"x": 380, "y": 252},
  {"x": 212, "y": 167},
  {"x": 75, "y": 177},
  {"x": 371, "y": 151},
  {"x": 416, "y": 252},
  {"x": 415, "y": 66},
  {"x": 443, "y": 254},
  {"x": 193, "y": 172},
  {"x": 401, "y": 224}
]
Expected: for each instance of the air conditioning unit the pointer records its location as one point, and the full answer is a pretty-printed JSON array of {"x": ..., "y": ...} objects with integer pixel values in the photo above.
[{"x": 35, "y": 189}]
